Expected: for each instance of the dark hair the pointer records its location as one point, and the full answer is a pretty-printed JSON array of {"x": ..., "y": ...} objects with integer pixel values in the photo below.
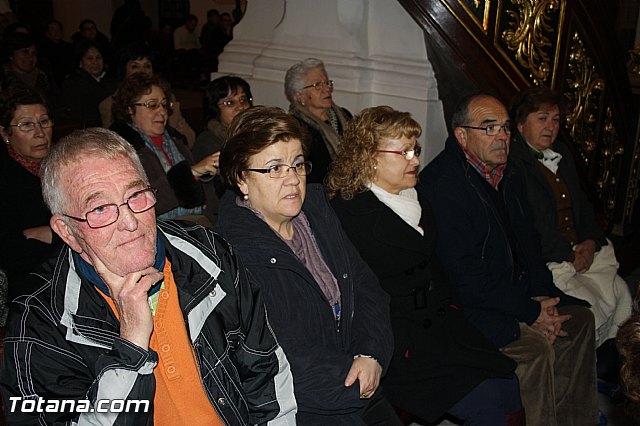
[
  {"x": 87, "y": 21},
  {"x": 219, "y": 89},
  {"x": 250, "y": 132},
  {"x": 191, "y": 17},
  {"x": 13, "y": 28},
  {"x": 52, "y": 21},
  {"x": 18, "y": 96},
  {"x": 212, "y": 12},
  {"x": 531, "y": 99},
  {"x": 133, "y": 88},
  {"x": 15, "y": 42},
  {"x": 132, "y": 52},
  {"x": 83, "y": 47},
  {"x": 460, "y": 114}
]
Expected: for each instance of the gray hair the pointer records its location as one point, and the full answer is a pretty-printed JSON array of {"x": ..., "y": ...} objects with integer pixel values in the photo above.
[
  {"x": 75, "y": 147},
  {"x": 294, "y": 80}
]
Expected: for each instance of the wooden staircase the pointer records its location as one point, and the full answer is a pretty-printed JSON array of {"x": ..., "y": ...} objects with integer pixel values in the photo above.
[{"x": 503, "y": 46}]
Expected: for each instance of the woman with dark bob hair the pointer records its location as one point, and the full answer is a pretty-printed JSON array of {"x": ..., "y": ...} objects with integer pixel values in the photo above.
[
  {"x": 141, "y": 109},
  {"x": 441, "y": 363},
  {"x": 325, "y": 305},
  {"x": 89, "y": 84},
  {"x": 224, "y": 98},
  {"x": 26, "y": 239}
]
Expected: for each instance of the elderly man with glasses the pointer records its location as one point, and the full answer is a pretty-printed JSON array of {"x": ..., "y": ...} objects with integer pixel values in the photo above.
[
  {"x": 137, "y": 321},
  {"x": 492, "y": 255}
]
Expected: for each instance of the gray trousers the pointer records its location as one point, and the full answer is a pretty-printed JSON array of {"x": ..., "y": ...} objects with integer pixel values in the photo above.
[{"x": 558, "y": 382}]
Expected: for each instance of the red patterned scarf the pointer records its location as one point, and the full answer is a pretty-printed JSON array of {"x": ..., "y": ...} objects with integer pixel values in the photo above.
[{"x": 31, "y": 166}]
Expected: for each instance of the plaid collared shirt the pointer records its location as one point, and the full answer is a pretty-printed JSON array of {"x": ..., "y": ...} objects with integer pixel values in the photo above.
[{"x": 493, "y": 176}]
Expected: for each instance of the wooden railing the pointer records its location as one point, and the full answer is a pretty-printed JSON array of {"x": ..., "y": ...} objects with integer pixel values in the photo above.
[{"x": 504, "y": 46}]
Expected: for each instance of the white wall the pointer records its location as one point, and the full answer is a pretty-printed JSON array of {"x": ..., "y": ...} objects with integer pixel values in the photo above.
[{"x": 372, "y": 49}]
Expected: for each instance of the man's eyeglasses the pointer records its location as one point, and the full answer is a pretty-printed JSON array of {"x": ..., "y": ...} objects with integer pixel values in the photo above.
[
  {"x": 230, "y": 103},
  {"x": 319, "y": 85},
  {"x": 278, "y": 171},
  {"x": 106, "y": 214},
  {"x": 408, "y": 154},
  {"x": 30, "y": 126},
  {"x": 492, "y": 129},
  {"x": 154, "y": 104}
]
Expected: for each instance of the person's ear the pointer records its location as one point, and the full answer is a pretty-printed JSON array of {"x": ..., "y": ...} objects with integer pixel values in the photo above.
[
  {"x": 519, "y": 126},
  {"x": 461, "y": 136},
  {"x": 299, "y": 97},
  {"x": 65, "y": 232},
  {"x": 244, "y": 188},
  {"x": 4, "y": 134}
]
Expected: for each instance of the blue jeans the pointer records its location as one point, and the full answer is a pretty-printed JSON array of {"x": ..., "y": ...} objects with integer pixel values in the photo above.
[{"x": 489, "y": 403}]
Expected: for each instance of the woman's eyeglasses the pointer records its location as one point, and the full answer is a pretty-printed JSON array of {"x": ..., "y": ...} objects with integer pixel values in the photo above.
[
  {"x": 319, "y": 85},
  {"x": 231, "y": 103},
  {"x": 30, "y": 126},
  {"x": 278, "y": 171},
  {"x": 154, "y": 104},
  {"x": 408, "y": 154}
]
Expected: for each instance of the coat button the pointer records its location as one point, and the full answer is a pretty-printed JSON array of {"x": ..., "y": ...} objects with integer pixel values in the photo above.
[
  {"x": 442, "y": 313},
  {"x": 426, "y": 323},
  {"x": 213, "y": 293},
  {"x": 563, "y": 195},
  {"x": 345, "y": 276},
  {"x": 222, "y": 402},
  {"x": 273, "y": 260}
]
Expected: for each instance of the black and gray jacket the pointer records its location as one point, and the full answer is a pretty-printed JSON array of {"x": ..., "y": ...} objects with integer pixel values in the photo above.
[{"x": 63, "y": 341}]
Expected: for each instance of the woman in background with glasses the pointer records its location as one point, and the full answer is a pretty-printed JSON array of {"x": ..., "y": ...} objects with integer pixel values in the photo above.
[
  {"x": 26, "y": 240},
  {"x": 224, "y": 98},
  {"x": 309, "y": 91},
  {"x": 441, "y": 363},
  {"x": 141, "y": 108},
  {"x": 325, "y": 305}
]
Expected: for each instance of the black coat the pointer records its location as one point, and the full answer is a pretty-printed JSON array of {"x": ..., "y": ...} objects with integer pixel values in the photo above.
[
  {"x": 320, "y": 354},
  {"x": 81, "y": 94},
  {"x": 494, "y": 279},
  {"x": 438, "y": 357},
  {"x": 544, "y": 206},
  {"x": 23, "y": 208}
]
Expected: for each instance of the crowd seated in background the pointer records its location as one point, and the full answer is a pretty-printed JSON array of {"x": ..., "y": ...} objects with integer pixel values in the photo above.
[
  {"x": 139, "y": 58},
  {"x": 491, "y": 253},
  {"x": 573, "y": 245},
  {"x": 308, "y": 89},
  {"x": 58, "y": 53},
  {"x": 441, "y": 363},
  {"x": 86, "y": 87},
  {"x": 88, "y": 30}
]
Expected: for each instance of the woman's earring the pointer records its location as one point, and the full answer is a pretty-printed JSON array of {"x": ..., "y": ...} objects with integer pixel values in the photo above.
[
  {"x": 245, "y": 197},
  {"x": 375, "y": 167}
]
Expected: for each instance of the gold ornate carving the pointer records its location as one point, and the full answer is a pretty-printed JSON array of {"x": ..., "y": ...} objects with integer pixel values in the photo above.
[
  {"x": 479, "y": 11},
  {"x": 527, "y": 35},
  {"x": 585, "y": 90},
  {"x": 609, "y": 163}
]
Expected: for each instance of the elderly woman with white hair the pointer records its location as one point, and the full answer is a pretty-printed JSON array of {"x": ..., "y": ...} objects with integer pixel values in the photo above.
[{"x": 309, "y": 91}]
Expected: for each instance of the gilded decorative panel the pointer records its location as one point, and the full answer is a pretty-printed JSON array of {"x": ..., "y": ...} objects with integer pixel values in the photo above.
[
  {"x": 479, "y": 10},
  {"x": 529, "y": 31},
  {"x": 590, "y": 121}
]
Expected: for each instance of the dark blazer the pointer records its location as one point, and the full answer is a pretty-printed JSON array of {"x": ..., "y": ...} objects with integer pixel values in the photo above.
[
  {"x": 439, "y": 356},
  {"x": 494, "y": 279},
  {"x": 23, "y": 207},
  {"x": 81, "y": 95},
  {"x": 177, "y": 187},
  {"x": 543, "y": 202},
  {"x": 319, "y": 350}
]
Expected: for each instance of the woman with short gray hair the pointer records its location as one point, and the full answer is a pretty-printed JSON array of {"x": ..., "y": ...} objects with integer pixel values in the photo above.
[{"x": 309, "y": 92}]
